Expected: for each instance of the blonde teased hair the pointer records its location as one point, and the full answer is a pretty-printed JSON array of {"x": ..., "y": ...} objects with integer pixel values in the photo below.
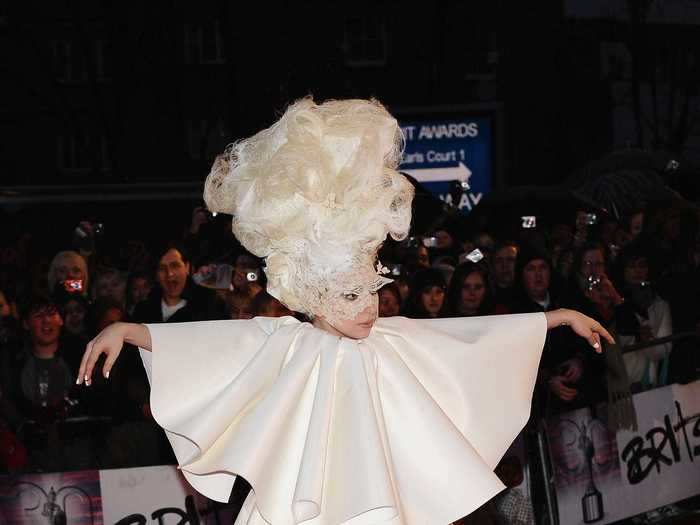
[{"x": 315, "y": 193}]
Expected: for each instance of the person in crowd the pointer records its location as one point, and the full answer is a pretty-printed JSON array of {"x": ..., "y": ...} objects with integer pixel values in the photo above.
[
  {"x": 176, "y": 298},
  {"x": 643, "y": 317},
  {"x": 389, "y": 300},
  {"x": 568, "y": 378},
  {"x": 582, "y": 224},
  {"x": 502, "y": 269},
  {"x": 427, "y": 297},
  {"x": 248, "y": 278},
  {"x": 564, "y": 264},
  {"x": 8, "y": 307},
  {"x": 265, "y": 305},
  {"x": 69, "y": 266},
  {"x": 108, "y": 311},
  {"x": 446, "y": 264},
  {"x": 41, "y": 383},
  {"x": 9, "y": 323},
  {"x": 139, "y": 286},
  {"x": 110, "y": 284},
  {"x": 592, "y": 289},
  {"x": 12, "y": 354},
  {"x": 240, "y": 306},
  {"x": 634, "y": 224},
  {"x": 75, "y": 310},
  {"x": 417, "y": 257},
  {"x": 485, "y": 242},
  {"x": 469, "y": 293},
  {"x": 78, "y": 328}
]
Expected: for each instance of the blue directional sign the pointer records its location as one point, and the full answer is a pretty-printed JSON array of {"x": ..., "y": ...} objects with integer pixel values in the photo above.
[{"x": 440, "y": 152}]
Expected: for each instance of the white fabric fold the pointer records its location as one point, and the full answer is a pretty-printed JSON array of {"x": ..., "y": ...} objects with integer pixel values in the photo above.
[{"x": 402, "y": 428}]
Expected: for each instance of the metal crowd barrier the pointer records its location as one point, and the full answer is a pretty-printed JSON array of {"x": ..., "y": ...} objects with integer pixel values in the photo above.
[{"x": 551, "y": 511}]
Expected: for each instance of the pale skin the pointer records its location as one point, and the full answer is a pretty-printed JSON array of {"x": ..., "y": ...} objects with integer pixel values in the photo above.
[{"x": 111, "y": 340}]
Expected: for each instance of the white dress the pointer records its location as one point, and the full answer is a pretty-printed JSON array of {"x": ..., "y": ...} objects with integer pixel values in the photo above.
[{"x": 402, "y": 428}]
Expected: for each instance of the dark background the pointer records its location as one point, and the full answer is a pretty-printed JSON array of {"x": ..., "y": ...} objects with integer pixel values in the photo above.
[{"x": 116, "y": 109}]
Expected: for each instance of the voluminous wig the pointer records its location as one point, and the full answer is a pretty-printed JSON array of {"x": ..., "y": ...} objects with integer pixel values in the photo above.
[{"x": 315, "y": 195}]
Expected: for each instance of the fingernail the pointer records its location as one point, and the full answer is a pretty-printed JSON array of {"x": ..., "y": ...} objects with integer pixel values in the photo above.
[
  {"x": 107, "y": 374},
  {"x": 86, "y": 378},
  {"x": 77, "y": 381},
  {"x": 596, "y": 345}
]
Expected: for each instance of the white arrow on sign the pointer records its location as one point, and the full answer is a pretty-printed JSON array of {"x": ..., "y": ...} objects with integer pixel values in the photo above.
[{"x": 459, "y": 172}]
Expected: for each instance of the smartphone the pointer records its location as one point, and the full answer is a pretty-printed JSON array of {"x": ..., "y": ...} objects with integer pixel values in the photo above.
[
  {"x": 529, "y": 221},
  {"x": 591, "y": 219},
  {"x": 474, "y": 256},
  {"x": 73, "y": 285}
]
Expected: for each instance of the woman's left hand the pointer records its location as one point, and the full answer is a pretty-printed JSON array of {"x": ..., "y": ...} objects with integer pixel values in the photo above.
[{"x": 590, "y": 329}]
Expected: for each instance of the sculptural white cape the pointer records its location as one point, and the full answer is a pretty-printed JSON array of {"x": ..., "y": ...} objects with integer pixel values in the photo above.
[{"x": 404, "y": 427}]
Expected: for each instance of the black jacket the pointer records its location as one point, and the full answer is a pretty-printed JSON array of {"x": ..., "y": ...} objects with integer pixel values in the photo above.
[{"x": 202, "y": 305}]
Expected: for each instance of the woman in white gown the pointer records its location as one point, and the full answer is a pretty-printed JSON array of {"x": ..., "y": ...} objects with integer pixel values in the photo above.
[{"x": 349, "y": 419}]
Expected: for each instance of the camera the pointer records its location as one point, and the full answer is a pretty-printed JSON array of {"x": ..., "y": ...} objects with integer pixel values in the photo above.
[
  {"x": 430, "y": 242},
  {"x": 529, "y": 221},
  {"x": 473, "y": 256},
  {"x": 73, "y": 285},
  {"x": 593, "y": 282},
  {"x": 395, "y": 269}
]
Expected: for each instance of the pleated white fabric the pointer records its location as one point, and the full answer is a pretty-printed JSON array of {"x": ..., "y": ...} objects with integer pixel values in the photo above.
[{"x": 402, "y": 428}]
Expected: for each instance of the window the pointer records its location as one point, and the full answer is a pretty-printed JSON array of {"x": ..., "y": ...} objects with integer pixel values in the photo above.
[
  {"x": 102, "y": 72},
  {"x": 68, "y": 62},
  {"x": 204, "y": 43},
  {"x": 366, "y": 42},
  {"x": 78, "y": 151}
]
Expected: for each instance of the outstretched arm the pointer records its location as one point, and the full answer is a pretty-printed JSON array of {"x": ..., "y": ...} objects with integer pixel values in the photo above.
[
  {"x": 590, "y": 329},
  {"x": 110, "y": 342}
]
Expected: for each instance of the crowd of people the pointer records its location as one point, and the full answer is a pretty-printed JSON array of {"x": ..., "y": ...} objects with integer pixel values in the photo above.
[{"x": 639, "y": 276}]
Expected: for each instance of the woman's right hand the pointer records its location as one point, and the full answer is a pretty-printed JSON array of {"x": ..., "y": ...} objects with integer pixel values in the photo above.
[{"x": 109, "y": 342}]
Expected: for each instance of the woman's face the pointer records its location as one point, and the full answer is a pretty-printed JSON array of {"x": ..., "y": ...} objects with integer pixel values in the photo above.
[
  {"x": 636, "y": 224},
  {"x": 473, "y": 292},
  {"x": 592, "y": 263},
  {"x": 388, "y": 304},
  {"x": 74, "y": 314},
  {"x": 432, "y": 299},
  {"x": 71, "y": 268},
  {"x": 636, "y": 271},
  {"x": 423, "y": 257},
  {"x": 357, "y": 328},
  {"x": 112, "y": 287}
]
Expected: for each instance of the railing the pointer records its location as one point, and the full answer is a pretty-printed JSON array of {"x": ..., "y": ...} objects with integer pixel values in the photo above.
[{"x": 548, "y": 498}]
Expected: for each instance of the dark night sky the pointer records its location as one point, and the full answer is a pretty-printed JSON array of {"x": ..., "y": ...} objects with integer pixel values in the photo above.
[{"x": 99, "y": 92}]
